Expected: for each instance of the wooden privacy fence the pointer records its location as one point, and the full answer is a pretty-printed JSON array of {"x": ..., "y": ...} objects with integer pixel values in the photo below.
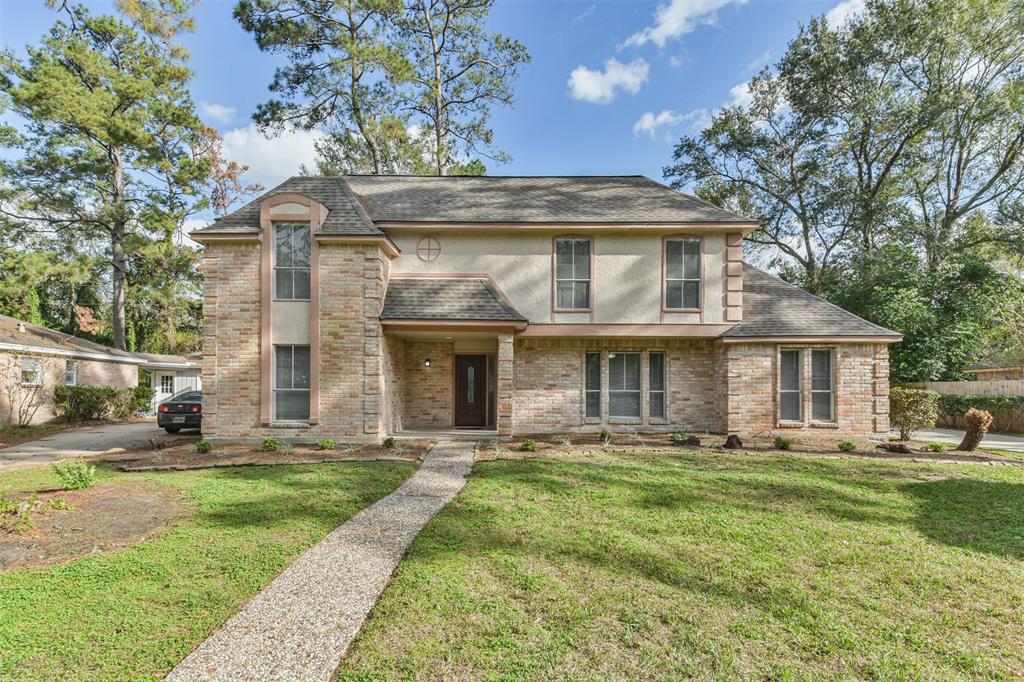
[
  {"x": 1004, "y": 420},
  {"x": 995, "y": 387}
]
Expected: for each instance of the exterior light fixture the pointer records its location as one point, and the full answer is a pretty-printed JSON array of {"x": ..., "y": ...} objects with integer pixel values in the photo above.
[{"x": 426, "y": 363}]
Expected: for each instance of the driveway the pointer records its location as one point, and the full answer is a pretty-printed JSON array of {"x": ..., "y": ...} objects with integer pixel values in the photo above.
[
  {"x": 954, "y": 436},
  {"x": 82, "y": 441}
]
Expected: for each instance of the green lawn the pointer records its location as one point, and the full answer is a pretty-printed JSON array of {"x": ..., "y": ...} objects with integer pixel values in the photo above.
[
  {"x": 135, "y": 612},
  {"x": 11, "y": 434},
  {"x": 710, "y": 566}
]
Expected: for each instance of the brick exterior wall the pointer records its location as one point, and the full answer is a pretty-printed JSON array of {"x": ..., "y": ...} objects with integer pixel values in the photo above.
[
  {"x": 428, "y": 390},
  {"x": 861, "y": 385},
  {"x": 549, "y": 384},
  {"x": 352, "y": 356},
  {"x": 90, "y": 373},
  {"x": 394, "y": 386}
]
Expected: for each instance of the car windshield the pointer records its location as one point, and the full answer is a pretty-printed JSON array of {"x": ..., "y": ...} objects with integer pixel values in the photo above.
[{"x": 190, "y": 397}]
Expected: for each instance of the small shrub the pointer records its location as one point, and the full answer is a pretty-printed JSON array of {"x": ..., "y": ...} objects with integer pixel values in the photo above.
[
  {"x": 606, "y": 436},
  {"x": 847, "y": 446},
  {"x": 271, "y": 444},
  {"x": 204, "y": 447},
  {"x": 911, "y": 409},
  {"x": 677, "y": 437},
  {"x": 74, "y": 474},
  {"x": 528, "y": 446},
  {"x": 60, "y": 504},
  {"x": 935, "y": 447},
  {"x": 782, "y": 443},
  {"x": 390, "y": 442},
  {"x": 564, "y": 441},
  {"x": 327, "y": 444},
  {"x": 497, "y": 447},
  {"x": 82, "y": 403}
]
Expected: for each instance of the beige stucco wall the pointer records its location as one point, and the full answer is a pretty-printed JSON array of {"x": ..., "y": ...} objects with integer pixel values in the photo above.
[{"x": 627, "y": 277}]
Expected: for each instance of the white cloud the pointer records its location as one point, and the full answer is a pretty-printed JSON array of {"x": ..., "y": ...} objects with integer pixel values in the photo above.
[
  {"x": 650, "y": 122},
  {"x": 271, "y": 160},
  {"x": 217, "y": 112},
  {"x": 601, "y": 87},
  {"x": 841, "y": 13},
  {"x": 739, "y": 96},
  {"x": 678, "y": 18}
]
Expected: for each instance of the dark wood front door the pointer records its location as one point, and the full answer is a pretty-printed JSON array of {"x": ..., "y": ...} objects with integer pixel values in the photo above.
[{"x": 470, "y": 390}]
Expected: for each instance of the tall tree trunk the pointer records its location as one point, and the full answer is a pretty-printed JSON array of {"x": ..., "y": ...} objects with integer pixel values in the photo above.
[
  {"x": 440, "y": 153},
  {"x": 117, "y": 233},
  {"x": 355, "y": 81}
]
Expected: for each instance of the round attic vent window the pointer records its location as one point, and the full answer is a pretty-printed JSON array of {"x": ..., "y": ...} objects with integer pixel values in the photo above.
[{"x": 428, "y": 249}]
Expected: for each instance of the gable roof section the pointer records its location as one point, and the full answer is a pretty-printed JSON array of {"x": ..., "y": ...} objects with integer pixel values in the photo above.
[
  {"x": 447, "y": 299},
  {"x": 43, "y": 339},
  {"x": 345, "y": 215},
  {"x": 628, "y": 199},
  {"x": 774, "y": 309}
]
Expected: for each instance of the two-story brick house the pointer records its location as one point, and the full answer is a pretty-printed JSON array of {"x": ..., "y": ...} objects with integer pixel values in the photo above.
[{"x": 361, "y": 306}]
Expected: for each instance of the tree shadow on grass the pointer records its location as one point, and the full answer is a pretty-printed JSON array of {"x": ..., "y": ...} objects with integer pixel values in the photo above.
[{"x": 984, "y": 516}]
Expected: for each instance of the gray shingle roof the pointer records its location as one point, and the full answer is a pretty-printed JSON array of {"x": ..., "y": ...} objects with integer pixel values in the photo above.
[
  {"x": 355, "y": 202},
  {"x": 345, "y": 215},
  {"x": 774, "y": 308},
  {"x": 495, "y": 199},
  {"x": 422, "y": 298},
  {"x": 43, "y": 338}
]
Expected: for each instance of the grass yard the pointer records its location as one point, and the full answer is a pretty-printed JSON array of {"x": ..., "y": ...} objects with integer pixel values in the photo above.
[
  {"x": 133, "y": 613},
  {"x": 11, "y": 434},
  {"x": 710, "y": 566}
]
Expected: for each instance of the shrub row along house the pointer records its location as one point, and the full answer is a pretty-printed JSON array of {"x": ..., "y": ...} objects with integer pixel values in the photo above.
[
  {"x": 362, "y": 306},
  {"x": 34, "y": 360}
]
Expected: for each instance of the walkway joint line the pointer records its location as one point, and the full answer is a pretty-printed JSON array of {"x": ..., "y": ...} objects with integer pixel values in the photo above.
[{"x": 301, "y": 625}]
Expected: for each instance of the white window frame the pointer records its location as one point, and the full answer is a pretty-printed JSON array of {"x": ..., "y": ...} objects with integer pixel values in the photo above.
[
  {"x": 639, "y": 391},
  {"x": 799, "y": 390},
  {"x": 574, "y": 280},
  {"x": 71, "y": 372},
  {"x": 663, "y": 391},
  {"x": 23, "y": 367},
  {"x": 699, "y": 279},
  {"x": 162, "y": 378},
  {"x": 291, "y": 269},
  {"x": 830, "y": 391},
  {"x": 290, "y": 389}
]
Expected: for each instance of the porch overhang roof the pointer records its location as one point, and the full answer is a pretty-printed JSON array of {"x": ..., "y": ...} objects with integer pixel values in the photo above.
[
  {"x": 488, "y": 326},
  {"x": 648, "y": 331}
]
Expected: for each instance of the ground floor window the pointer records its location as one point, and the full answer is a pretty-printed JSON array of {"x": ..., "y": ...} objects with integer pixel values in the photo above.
[
  {"x": 624, "y": 385},
  {"x": 31, "y": 371},
  {"x": 593, "y": 385},
  {"x": 291, "y": 383},
  {"x": 790, "y": 386},
  {"x": 656, "y": 384},
  {"x": 71, "y": 373},
  {"x": 167, "y": 383},
  {"x": 822, "y": 389}
]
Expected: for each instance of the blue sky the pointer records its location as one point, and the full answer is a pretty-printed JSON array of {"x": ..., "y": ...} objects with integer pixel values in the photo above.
[{"x": 611, "y": 86}]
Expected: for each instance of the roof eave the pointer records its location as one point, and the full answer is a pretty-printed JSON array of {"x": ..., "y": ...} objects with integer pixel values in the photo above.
[{"x": 814, "y": 338}]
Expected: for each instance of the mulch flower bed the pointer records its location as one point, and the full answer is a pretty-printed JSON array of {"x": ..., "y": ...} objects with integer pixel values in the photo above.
[
  {"x": 591, "y": 443},
  {"x": 184, "y": 457}
]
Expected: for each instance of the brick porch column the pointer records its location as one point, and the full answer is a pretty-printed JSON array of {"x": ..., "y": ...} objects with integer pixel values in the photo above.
[{"x": 504, "y": 384}]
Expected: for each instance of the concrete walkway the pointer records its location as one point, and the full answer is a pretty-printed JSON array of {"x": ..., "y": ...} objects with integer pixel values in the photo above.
[
  {"x": 1000, "y": 441},
  {"x": 300, "y": 626},
  {"x": 82, "y": 442}
]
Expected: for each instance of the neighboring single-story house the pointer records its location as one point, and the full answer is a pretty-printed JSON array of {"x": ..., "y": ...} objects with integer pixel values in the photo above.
[
  {"x": 35, "y": 359},
  {"x": 171, "y": 374},
  {"x": 997, "y": 371},
  {"x": 355, "y": 307}
]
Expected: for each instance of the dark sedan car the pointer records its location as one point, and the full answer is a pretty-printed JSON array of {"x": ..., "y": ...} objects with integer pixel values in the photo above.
[{"x": 183, "y": 411}]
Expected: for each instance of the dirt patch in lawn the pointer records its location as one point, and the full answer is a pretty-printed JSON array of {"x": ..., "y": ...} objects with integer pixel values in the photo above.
[
  {"x": 626, "y": 443},
  {"x": 184, "y": 457},
  {"x": 69, "y": 524}
]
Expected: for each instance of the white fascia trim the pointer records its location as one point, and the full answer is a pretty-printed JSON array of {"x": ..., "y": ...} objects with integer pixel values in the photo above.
[{"x": 79, "y": 355}]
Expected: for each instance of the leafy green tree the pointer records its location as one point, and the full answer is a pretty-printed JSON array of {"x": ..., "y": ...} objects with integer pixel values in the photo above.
[
  {"x": 109, "y": 128},
  {"x": 460, "y": 71},
  {"x": 342, "y": 73}
]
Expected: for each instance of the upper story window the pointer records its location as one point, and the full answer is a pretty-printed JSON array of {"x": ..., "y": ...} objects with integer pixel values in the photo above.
[
  {"x": 682, "y": 273},
  {"x": 572, "y": 273},
  {"x": 428, "y": 249},
  {"x": 291, "y": 261}
]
